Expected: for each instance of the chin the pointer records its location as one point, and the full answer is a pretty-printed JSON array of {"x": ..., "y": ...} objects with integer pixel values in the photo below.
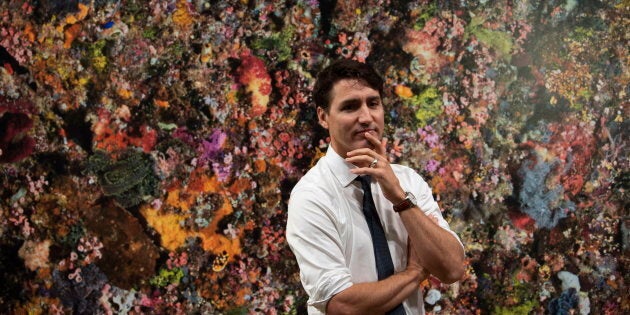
[{"x": 366, "y": 146}]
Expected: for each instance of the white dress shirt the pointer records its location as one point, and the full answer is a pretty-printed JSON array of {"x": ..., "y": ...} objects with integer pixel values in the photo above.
[{"x": 328, "y": 234}]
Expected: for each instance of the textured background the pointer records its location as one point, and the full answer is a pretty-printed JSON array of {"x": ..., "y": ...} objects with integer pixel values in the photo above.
[{"x": 148, "y": 148}]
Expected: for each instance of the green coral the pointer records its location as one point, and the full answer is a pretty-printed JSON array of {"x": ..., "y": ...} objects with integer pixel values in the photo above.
[
  {"x": 177, "y": 50},
  {"x": 428, "y": 105},
  {"x": 582, "y": 34},
  {"x": 427, "y": 13},
  {"x": 130, "y": 180},
  {"x": 166, "y": 277},
  {"x": 501, "y": 42},
  {"x": 522, "y": 309},
  {"x": 238, "y": 311},
  {"x": 520, "y": 292},
  {"x": 279, "y": 42},
  {"x": 150, "y": 33}
]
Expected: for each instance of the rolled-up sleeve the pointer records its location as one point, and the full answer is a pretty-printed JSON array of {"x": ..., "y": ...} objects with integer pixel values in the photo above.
[
  {"x": 312, "y": 234},
  {"x": 429, "y": 206}
]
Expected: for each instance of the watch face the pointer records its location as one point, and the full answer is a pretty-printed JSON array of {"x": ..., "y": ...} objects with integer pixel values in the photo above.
[{"x": 412, "y": 198}]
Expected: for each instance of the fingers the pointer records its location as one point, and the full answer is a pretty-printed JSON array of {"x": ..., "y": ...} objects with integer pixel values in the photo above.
[
  {"x": 371, "y": 154},
  {"x": 370, "y": 163},
  {"x": 379, "y": 145},
  {"x": 366, "y": 160}
]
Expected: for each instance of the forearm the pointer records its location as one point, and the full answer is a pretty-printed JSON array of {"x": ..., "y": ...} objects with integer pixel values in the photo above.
[
  {"x": 375, "y": 297},
  {"x": 438, "y": 250}
]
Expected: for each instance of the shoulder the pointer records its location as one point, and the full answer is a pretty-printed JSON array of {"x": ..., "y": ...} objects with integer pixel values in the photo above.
[
  {"x": 316, "y": 179},
  {"x": 316, "y": 187},
  {"x": 313, "y": 204}
]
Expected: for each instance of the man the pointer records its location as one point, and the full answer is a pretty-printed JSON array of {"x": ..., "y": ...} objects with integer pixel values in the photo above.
[{"x": 356, "y": 255}]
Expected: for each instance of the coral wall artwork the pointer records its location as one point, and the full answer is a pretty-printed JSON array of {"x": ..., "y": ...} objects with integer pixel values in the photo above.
[{"x": 148, "y": 148}]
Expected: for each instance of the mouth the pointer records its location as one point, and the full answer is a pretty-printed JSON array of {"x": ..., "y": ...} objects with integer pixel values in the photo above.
[{"x": 361, "y": 132}]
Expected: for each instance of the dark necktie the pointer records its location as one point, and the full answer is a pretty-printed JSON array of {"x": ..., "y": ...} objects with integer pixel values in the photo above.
[{"x": 384, "y": 264}]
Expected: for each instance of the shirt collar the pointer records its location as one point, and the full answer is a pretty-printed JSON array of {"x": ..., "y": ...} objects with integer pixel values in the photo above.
[{"x": 340, "y": 167}]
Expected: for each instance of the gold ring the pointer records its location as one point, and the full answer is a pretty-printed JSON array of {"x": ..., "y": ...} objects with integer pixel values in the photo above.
[{"x": 373, "y": 164}]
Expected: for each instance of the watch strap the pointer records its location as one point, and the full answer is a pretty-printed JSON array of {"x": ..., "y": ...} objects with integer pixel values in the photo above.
[{"x": 405, "y": 204}]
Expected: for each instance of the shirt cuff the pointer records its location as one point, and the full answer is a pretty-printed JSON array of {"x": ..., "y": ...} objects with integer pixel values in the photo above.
[{"x": 333, "y": 283}]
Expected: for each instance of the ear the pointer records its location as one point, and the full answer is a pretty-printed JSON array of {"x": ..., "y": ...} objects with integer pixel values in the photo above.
[{"x": 322, "y": 115}]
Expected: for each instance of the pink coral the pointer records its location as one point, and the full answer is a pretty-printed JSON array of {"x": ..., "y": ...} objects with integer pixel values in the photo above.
[
  {"x": 35, "y": 254},
  {"x": 423, "y": 45}
]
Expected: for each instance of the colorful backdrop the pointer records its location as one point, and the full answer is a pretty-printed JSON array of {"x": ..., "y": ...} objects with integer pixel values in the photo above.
[{"x": 148, "y": 148}]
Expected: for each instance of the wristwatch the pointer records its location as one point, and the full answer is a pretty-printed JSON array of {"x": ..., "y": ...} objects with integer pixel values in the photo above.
[{"x": 410, "y": 201}]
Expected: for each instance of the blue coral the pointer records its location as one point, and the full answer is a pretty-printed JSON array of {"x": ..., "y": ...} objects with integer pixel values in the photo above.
[
  {"x": 563, "y": 304},
  {"x": 544, "y": 204}
]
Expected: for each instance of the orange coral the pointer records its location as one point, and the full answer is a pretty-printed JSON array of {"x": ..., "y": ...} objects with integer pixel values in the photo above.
[
  {"x": 260, "y": 165},
  {"x": 74, "y": 29},
  {"x": 177, "y": 200},
  {"x": 167, "y": 224},
  {"x": 241, "y": 294},
  {"x": 182, "y": 16},
  {"x": 160, "y": 103},
  {"x": 403, "y": 91},
  {"x": 239, "y": 185},
  {"x": 70, "y": 34},
  {"x": 124, "y": 93},
  {"x": 29, "y": 32},
  {"x": 174, "y": 235}
]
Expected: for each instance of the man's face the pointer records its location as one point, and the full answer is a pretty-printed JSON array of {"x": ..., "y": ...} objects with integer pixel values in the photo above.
[{"x": 354, "y": 109}]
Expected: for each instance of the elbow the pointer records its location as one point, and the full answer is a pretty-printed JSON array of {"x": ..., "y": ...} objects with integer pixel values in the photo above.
[
  {"x": 454, "y": 276},
  {"x": 342, "y": 308},
  {"x": 339, "y": 309},
  {"x": 455, "y": 273}
]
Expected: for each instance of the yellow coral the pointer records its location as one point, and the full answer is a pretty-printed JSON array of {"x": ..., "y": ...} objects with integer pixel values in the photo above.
[
  {"x": 99, "y": 63},
  {"x": 174, "y": 235},
  {"x": 260, "y": 99}
]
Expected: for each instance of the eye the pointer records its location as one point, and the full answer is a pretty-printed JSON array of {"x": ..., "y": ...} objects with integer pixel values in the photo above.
[
  {"x": 348, "y": 106},
  {"x": 375, "y": 103}
]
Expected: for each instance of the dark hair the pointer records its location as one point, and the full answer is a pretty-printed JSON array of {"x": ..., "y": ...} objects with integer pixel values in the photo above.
[{"x": 344, "y": 69}]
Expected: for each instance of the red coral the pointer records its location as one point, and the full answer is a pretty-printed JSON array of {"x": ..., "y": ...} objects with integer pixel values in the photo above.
[
  {"x": 253, "y": 74},
  {"x": 111, "y": 137},
  {"x": 15, "y": 122},
  {"x": 573, "y": 145}
]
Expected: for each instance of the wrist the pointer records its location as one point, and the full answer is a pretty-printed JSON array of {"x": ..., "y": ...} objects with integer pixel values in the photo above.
[
  {"x": 407, "y": 203},
  {"x": 413, "y": 273},
  {"x": 400, "y": 197}
]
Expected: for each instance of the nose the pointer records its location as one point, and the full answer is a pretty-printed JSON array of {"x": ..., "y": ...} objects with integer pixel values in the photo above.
[{"x": 365, "y": 115}]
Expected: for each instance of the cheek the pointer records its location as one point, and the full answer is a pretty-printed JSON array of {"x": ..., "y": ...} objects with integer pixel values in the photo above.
[{"x": 380, "y": 119}]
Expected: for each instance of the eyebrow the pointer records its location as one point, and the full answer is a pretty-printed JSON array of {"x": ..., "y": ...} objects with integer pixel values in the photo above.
[{"x": 358, "y": 100}]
